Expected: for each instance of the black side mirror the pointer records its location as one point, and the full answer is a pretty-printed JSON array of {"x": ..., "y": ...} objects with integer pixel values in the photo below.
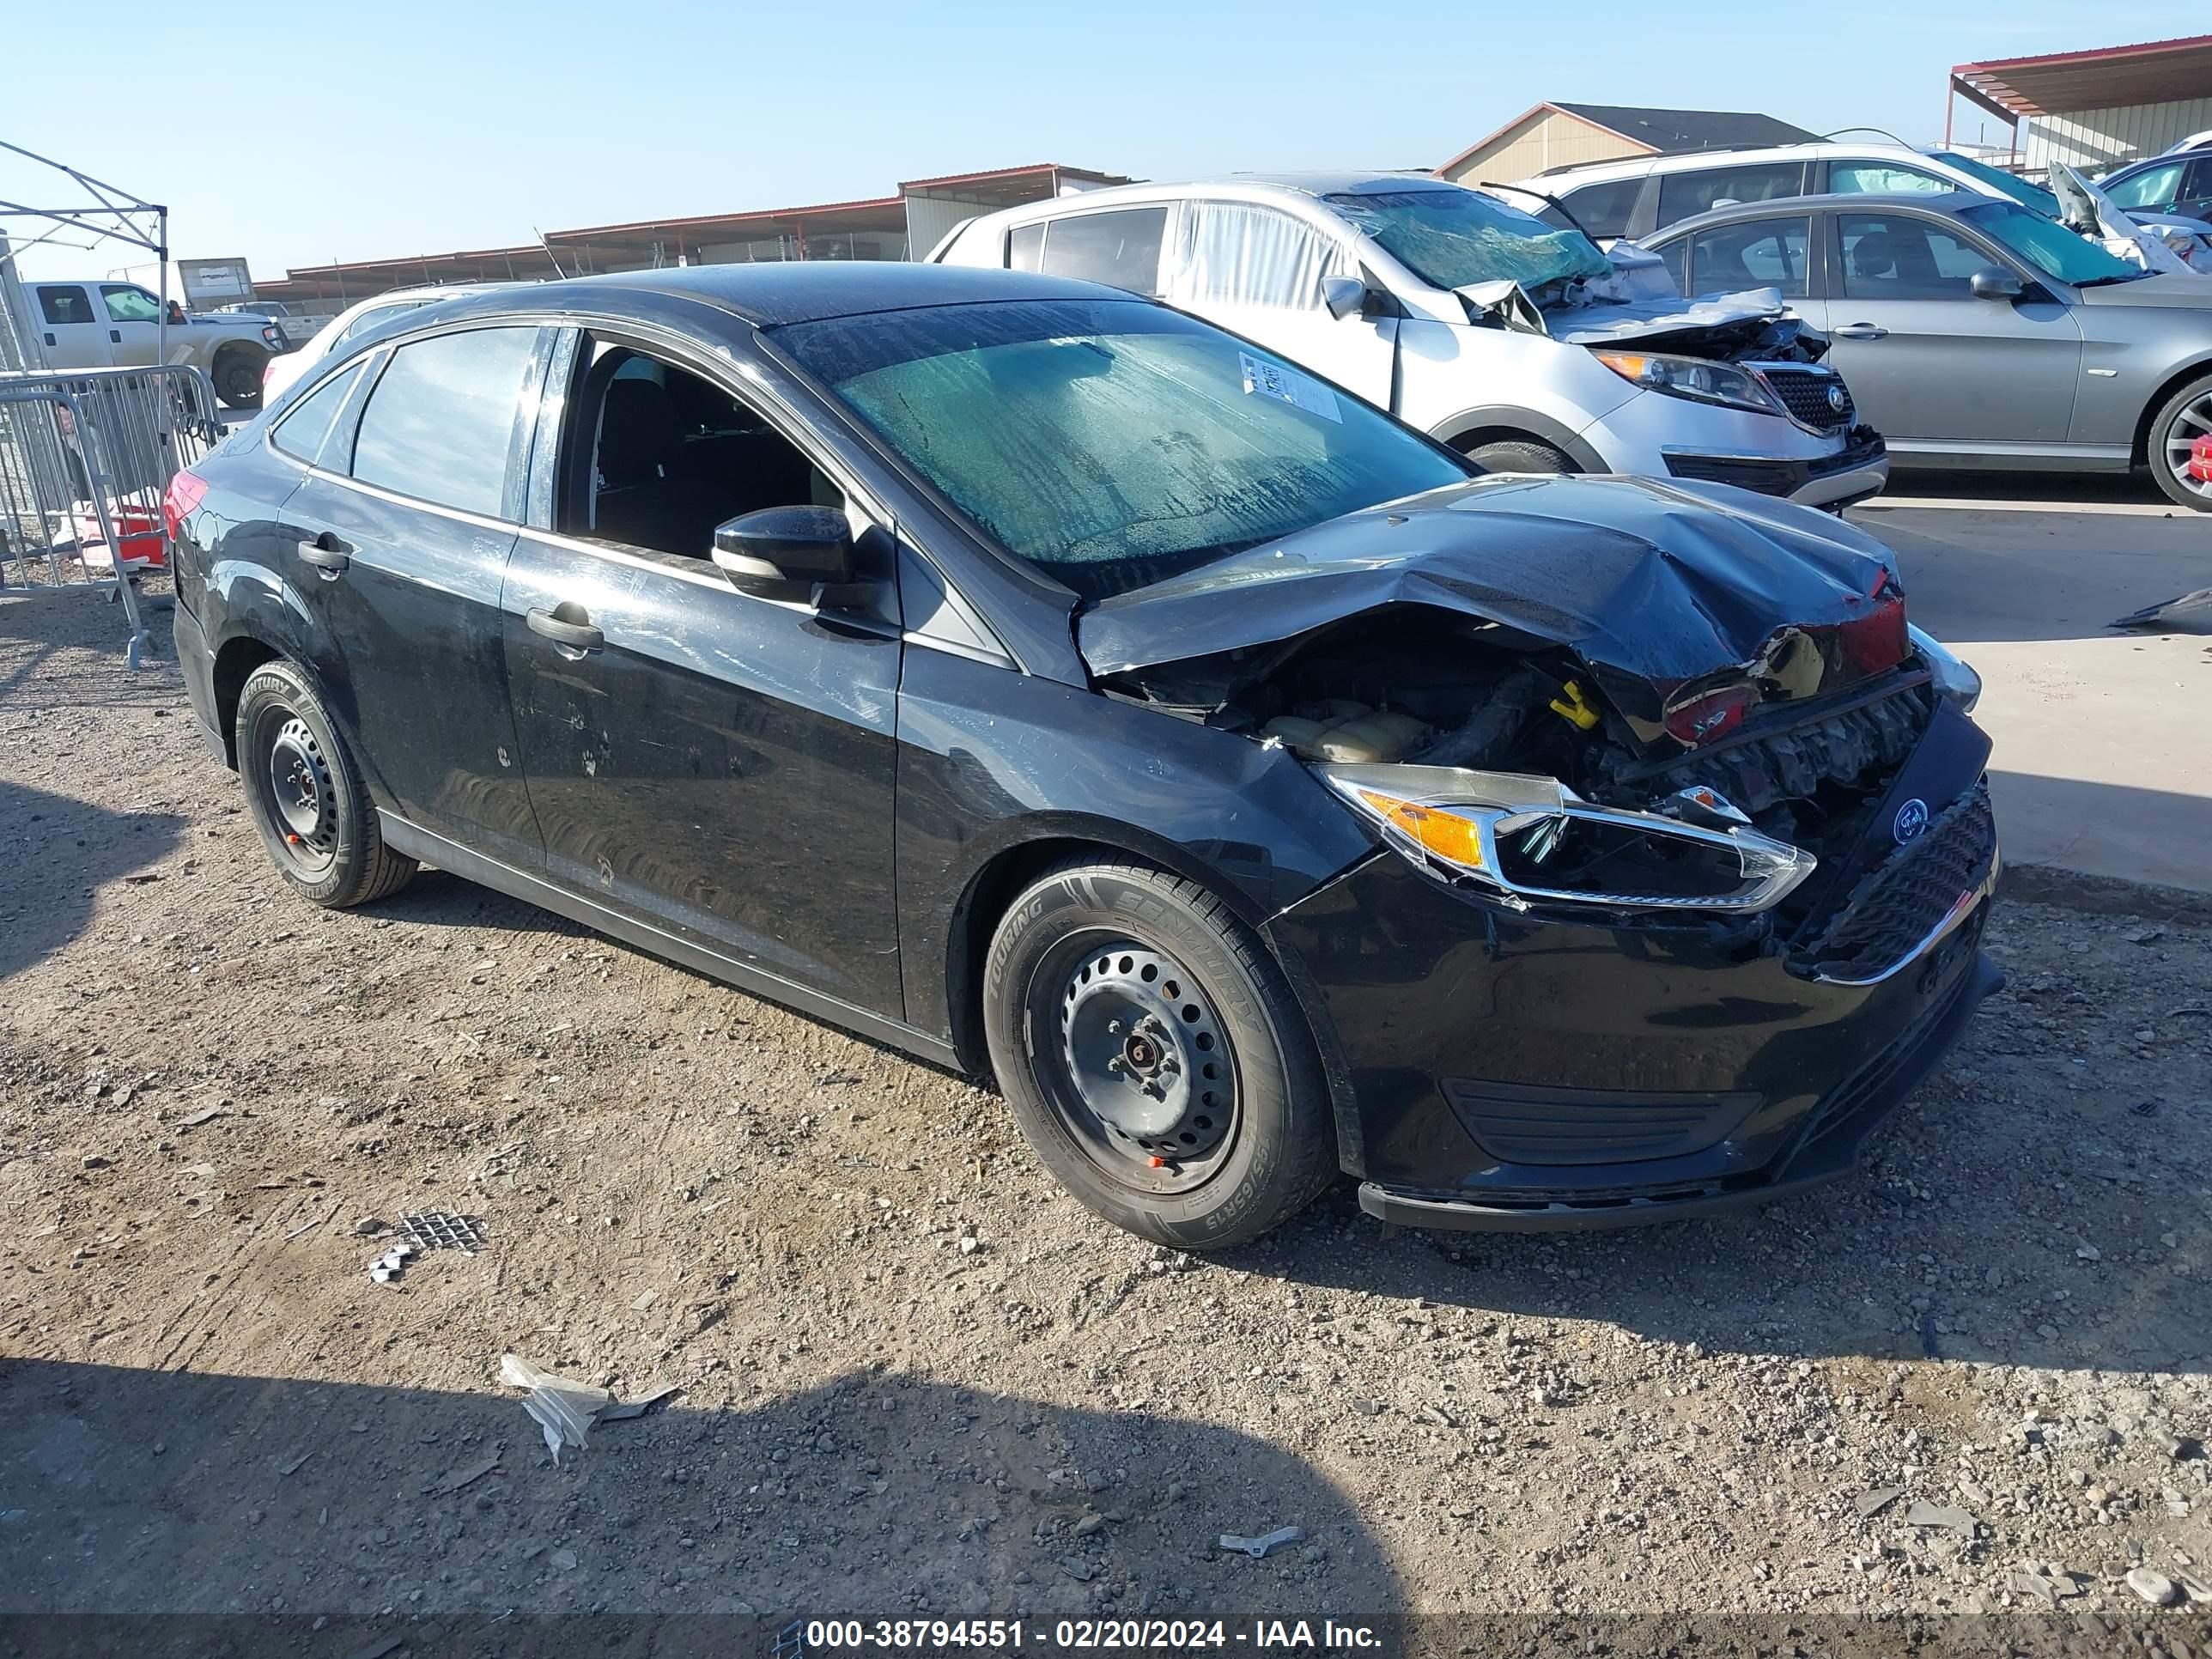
[
  {"x": 1992, "y": 283},
  {"x": 796, "y": 553}
]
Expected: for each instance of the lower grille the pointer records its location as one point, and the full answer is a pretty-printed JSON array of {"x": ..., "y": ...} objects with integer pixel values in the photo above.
[
  {"x": 1804, "y": 393},
  {"x": 1890, "y": 913}
]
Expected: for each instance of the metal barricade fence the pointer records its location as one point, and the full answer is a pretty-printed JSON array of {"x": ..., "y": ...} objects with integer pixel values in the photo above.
[{"x": 85, "y": 458}]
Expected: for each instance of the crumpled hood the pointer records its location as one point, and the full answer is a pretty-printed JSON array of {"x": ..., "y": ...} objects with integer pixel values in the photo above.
[
  {"x": 1651, "y": 583},
  {"x": 1667, "y": 315}
]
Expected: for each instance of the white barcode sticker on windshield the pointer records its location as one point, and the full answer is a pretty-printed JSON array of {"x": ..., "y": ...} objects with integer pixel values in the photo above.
[{"x": 1299, "y": 391}]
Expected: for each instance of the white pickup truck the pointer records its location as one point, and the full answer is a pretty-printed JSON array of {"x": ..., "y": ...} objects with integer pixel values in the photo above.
[{"x": 102, "y": 325}]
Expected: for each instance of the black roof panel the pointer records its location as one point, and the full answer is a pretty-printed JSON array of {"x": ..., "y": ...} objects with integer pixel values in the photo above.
[
  {"x": 770, "y": 294},
  {"x": 1671, "y": 131}
]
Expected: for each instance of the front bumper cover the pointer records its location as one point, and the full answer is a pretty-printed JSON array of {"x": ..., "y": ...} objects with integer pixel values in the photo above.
[
  {"x": 1855, "y": 472},
  {"x": 1503, "y": 1068}
]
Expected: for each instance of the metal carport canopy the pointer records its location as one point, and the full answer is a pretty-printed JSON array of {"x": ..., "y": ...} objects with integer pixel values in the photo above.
[{"x": 2107, "y": 77}]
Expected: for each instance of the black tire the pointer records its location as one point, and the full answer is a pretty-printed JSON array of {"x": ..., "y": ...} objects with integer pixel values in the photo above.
[
  {"x": 1521, "y": 455},
  {"x": 237, "y": 379},
  {"x": 305, "y": 795},
  {"x": 1064, "y": 959},
  {"x": 2185, "y": 416}
]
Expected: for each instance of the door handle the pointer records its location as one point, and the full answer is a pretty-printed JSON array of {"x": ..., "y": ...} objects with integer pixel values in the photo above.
[
  {"x": 328, "y": 555},
  {"x": 1861, "y": 331},
  {"x": 577, "y": 635},
  {"x": 50, "y": 336},
  {"x": 116, "y": 335}
]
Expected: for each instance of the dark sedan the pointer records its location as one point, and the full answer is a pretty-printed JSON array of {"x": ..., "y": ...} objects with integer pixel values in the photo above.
[{"x": 1045, "y": 682}]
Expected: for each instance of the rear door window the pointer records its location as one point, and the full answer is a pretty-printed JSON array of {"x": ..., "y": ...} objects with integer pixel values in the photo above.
[
  {"x": 1682, "y": 194},
  {"x": 1235, "y": 253},
  {"x": 1121, "y": 249},
  {"x": 444, "y": 418},
  {"x": 1756, "y": 253},
  {"x": 64, "y": 306},
  {"x": 1600, "y": 210}
]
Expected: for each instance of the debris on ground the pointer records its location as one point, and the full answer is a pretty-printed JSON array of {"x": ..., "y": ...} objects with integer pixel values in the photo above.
[
  {"x": 206, "y": 1114},
  {"x": 1267, "y": 1544},
  {"x": 2191, "y": 613},
  {"x": 562, "y": 1407},
  {"x": 387, "y": 1267},
  {"x": 621, "y": 1411},
  {"x": 1921, "y": 1513},
  {"x": 440, "y": 1230},
  {"x": 2154, "y": 1588},
  {"x": 468, "y": 1476},
  {"x": 1874, "y": 1501}
]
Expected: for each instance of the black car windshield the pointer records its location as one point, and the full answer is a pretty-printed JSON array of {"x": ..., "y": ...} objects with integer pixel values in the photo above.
[
  {"x": 1450, "y": 238},
  {"x": 1112, "y": 443},
  {"x": 2051, "y": 248}
]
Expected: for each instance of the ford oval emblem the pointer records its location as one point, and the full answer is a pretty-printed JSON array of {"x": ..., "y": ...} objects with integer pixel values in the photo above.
[
  {"x": 1838, "y": 398},
  {"x": 1911, "y": 819}
]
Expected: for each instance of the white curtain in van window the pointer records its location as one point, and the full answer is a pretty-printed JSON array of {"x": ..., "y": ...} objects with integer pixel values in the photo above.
[{"x": 1236, "y": 255}]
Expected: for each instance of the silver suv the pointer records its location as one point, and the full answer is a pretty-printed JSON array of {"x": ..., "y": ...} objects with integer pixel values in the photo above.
[{"x": 1521, "y": 345}]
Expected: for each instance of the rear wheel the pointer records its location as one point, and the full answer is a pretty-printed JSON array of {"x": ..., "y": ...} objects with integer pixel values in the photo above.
[
  {"x": 2181, "y": 420},
  {"x": 1521, "y": 455},
  {"x": 237, "y": 379},
  {"x": 1155, "y": 1057},
  {"x": 306, "y": 796}
]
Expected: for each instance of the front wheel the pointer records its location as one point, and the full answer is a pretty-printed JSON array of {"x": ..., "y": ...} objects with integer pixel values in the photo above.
[
  {"x": 2181, "y": 420},
  {"x": 237, "y": 379},
  {"x": 305, "y": 795},
  {"x": 1520, "y": 455},
  {"x": 1155, "y": 1057}
]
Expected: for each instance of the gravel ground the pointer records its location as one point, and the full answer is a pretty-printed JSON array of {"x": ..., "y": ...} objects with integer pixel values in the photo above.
[{"x": 916, "y": 1377}]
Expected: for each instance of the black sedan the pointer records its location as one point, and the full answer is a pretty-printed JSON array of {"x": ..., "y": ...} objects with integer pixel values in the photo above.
[{"x": 1047, "y": 684}]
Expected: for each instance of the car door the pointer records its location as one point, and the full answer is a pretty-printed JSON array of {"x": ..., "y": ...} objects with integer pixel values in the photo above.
[
  {"x": 132, "y": 317},
  {"x": 1928, "y": 362},
  {"x": 403, "y": 523},
  {"x": 719, "y": 765},
  {"x": 1257, "y": 270},
  {"x": 70, "y": 328}
]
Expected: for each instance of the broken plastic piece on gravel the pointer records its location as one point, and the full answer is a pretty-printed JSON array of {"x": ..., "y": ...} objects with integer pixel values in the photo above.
[
  {"x": 1875, "y": 1499},
  {"x": 638, "y": 1407},
  {"x": 1925, "y": 1513},
  {"x": 1257, "y": 1548},
  {"x": 562, "y": 1407}
]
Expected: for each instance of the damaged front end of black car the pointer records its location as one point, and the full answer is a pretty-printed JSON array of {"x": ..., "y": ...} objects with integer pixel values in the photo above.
[{"x": 1683, "y": 847}]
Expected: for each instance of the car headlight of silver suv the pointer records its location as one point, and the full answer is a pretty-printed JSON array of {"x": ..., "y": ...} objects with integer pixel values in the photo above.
[
  {"x": 1694, "y": 377},
  {"x": 1534, "y": 840}
]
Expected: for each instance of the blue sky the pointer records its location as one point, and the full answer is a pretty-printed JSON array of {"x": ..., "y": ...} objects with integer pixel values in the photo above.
[{"x": 298, "y": 135}]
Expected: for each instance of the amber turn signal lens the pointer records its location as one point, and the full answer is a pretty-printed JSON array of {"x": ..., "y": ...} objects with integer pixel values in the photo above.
[{"x": 1452, "y": 838}]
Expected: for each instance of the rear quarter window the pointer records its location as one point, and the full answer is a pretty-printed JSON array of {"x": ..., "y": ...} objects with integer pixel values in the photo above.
[{"x": 1120, "y": 249}]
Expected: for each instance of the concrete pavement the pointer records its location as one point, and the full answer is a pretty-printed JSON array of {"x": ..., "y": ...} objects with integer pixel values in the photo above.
[{"x": 2103, "y": 764}]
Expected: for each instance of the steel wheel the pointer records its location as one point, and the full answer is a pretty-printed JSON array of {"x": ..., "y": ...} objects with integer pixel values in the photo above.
[
  {"x": 1144, "y": 1075},
  {"x": 301, "y": 793}
]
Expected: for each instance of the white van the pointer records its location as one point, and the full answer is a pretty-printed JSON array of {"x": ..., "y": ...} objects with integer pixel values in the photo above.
[{"x": 1523, "y": 345}]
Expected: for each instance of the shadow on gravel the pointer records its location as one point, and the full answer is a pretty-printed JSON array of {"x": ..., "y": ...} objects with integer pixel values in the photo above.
[
  {"x": 141, "y": 1491},
  {"x": 1888, "y": 1272},
  {"x": 55, "y": 854},
  {"x": 435, "y": 899}
]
